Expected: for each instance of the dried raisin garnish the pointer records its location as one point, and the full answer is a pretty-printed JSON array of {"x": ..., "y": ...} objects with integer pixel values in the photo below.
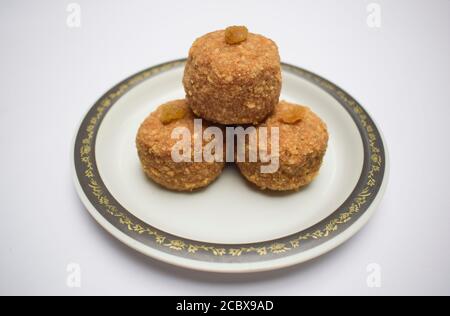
[
  {"x": 172, "y": 112},
  {"x": 292, "y": 114},
  {"x": 236, "y": 34}
]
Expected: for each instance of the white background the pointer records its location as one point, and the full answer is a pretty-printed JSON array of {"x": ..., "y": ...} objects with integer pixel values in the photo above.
[{"x": 51, "y": 74}]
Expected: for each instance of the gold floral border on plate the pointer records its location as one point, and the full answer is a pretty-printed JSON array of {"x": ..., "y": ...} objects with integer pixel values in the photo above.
[{"x": 101, "y": 197}]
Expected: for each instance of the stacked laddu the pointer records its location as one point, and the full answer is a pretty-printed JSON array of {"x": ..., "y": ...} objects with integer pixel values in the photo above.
[{"x": 233, "y": 77}]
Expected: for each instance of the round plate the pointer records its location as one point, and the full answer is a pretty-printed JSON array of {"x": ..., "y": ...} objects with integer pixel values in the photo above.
[{"x": 229, "y": 226}]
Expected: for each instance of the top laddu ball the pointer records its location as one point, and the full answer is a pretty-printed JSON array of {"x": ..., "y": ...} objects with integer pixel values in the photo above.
[{"x": 233, "y": 76}]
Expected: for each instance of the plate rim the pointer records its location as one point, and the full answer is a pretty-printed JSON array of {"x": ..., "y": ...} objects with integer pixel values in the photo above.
[{"x": 238, "y": 265}]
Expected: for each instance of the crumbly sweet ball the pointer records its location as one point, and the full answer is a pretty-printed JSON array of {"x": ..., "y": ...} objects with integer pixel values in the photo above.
[
  {"x": 236, "y": 34},
  {"x": 302, "y": 146},
  {"x": 233, "y": 83},
  {"x": 154, "y": 145}
]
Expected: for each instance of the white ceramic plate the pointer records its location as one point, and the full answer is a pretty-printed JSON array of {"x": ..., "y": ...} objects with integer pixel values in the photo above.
[{"x": 229, "y": 226}]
